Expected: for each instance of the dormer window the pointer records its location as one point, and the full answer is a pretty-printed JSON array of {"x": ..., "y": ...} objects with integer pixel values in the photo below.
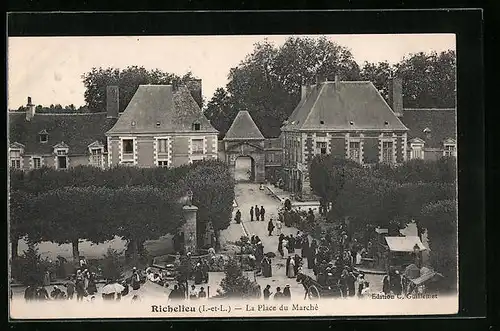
[
  {"x": 386, "y": 123},
  {"x": 96, "y": 150},
  {"x": 321, "y": 122},
  {"x": 450, "y": 148},
  {"x": 43, "y": 136},
  {"x": 417, "y": 149},
  {"x": 427, "y": 130},
  {"x": 133, "y": 123},
  {"x": 196, "y": 126},
  {"x": 16, "y": 151},
  {"x": 158, "y": 124},
  {"x": 351, "y": 123}
]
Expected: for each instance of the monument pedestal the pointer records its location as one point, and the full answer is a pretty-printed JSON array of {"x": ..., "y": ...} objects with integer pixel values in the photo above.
[{"x": 189, "y": 229}]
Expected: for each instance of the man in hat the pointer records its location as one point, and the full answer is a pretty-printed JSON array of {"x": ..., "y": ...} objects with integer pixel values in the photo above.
[
  {"x": 135, "y": 279},
  {"x": 257, "y": 212},
  {"x": 251, "y": 214},
  {"x": 202, "y": 294},
  {"x": 262, "y": 213},
  {"x": 278, "y": 295},
  {"x": 286, "y": 292}
]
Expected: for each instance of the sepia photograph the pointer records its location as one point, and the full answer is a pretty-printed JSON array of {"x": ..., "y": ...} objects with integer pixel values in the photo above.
[{"x": 232, "y": 176}]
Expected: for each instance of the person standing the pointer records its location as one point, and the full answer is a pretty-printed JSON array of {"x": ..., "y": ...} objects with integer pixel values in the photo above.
[
  {"x": 278, "y": 294},
  {"x": 270, "y": 226},
  {"x": 296, "y": 264},
  {"x": 280, "y": 244},
  {"x": 279, "y": 225},
  {"x": 257, "y": 212},
  {"x": 174, "y": 293},
  {"x": 262, "y": 213},
  {"x": 202, "y": 294},
  {"x": 386, "y": 285},
  {"x": 193, "y": 294},
  {"x": 70, "y": 288},
  {"x": 305, "y": 246},
  {"x": 351, "y": 281},
  {"x": 237, "y": 217},
  {"x": 286, "y": 292},
  {"x": 286, "y": 249},
  {"x": 290, "y": 267},
  {"x": 266, "y": 267},
  {"x": 251, "y": 214},
  {"x": 311, "y": 257},
  {"x": 136, "y": 280},
  {"x": 267, "y": 293}
]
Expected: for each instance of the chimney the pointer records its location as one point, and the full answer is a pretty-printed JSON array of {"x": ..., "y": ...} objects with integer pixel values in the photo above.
[
  {"x": 112, "y": 101},
  {"x": 194, "y": 87},
  {"x": 396, "y": 96},
  {"x": 30, "y": 110}
]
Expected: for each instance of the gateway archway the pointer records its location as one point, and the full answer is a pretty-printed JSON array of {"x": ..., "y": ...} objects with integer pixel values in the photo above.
[{"x": 244, "y": 169}]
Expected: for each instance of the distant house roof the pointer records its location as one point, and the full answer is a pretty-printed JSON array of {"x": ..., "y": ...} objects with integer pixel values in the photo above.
[
  {"x": 158, "y": 109},
  {"x": 404, "y": 244},
  {"x": 431, "y": 125},
  {"x": 343, "y": 106},
  {"x": 243, "y": 128},
  {"x": 78, "y": 131}
]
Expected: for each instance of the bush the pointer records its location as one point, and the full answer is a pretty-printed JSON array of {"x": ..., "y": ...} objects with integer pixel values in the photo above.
[
  {"x": 29, "y": 268},
  {"x": 236, "y": 285},
  {"x": 112, "y": 265}
]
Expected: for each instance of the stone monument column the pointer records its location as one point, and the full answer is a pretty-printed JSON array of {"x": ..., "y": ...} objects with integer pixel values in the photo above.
[{"x": 190, "y": 241}]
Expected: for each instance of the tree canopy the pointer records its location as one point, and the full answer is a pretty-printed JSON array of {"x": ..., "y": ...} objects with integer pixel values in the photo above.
[
  {"x": 267, "y": 83},
  {"x": 128, "y": 81}
]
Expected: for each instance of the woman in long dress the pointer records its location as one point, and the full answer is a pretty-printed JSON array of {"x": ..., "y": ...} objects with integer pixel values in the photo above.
[
  {"x": 311, "y": 256},
  {"x": 285, "y": 248},
  {"x": 266, "y": 267},
  {"x": 291, "y": 268}
]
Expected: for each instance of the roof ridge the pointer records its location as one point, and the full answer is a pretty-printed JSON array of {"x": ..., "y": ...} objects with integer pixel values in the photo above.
[
  {"x": 69, "y": 114},
  {"x": 313, "y": 105}
]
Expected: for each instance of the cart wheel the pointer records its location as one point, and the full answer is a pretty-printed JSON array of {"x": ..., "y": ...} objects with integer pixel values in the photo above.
[{"x": 313, "y": 292}]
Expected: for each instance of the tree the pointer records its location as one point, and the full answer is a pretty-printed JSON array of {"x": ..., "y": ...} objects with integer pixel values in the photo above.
[
  {"x": 268, "y": 82},
  {"x": 128, "y": 80},
  {"x": 235, "y": 284},
  {"x": 29, "y": 268},
  {"x": 429, "y": 80},
  {"x": 379, "y": 74},
  {"x": 220, "y": 111},
  {"x": 440, "y": 221},
  {"x": 19, "y": 203},
  {"x": 112, "y": 266}
]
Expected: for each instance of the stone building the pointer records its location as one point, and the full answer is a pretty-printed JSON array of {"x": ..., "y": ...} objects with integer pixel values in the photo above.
[
  {"x": 57, "y": 140},
  {"x": 161, "y": 126},
  {"x": 347, "y": 119}
]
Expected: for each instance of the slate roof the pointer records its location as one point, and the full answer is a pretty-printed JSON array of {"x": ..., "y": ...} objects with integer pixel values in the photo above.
[
  {"x": 356, "y": 102},
  {"x": 152, "y": 104},
  {"x": 243, "y": 128},
  {"x": 441, "y": 122},
  {"x": 76, "y": 130}
]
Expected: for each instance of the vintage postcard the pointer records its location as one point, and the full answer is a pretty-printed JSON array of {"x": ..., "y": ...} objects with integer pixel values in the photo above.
[{"x": 232, "y": 176}]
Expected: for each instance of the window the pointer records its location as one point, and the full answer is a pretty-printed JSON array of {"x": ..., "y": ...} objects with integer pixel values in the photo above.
[
  {"x": 270, "y": 157},
  {"x": 96, "y": 157},
  {"x": 355, "y": 151},
  {"x": 62, "y": 162},
  {"x": 163, "y": 163},
  {"x": 449, "y": 150},
  {"x": 196, "y": 126},
  {"x": 37, "y": 162},
  {"x": 44, "y": 137},
  {"x": 15, "y": 158},
  {"x": 61, "y": 152},
  {"x": 321, "y": 147},
  {"x": 387, "y": 152},
  {"x": 162, "y": 145},
  {"x": 128, "y": 146},
  {"x": 417, "y": 152},
  {"x": 197, "y": 146}
]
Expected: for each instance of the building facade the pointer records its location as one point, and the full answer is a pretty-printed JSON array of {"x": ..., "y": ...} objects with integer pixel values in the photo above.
[
  {"x": 57, "y": 140},
  {"x": 161, "y": 126},
  {"x": 349, "y": 120}
]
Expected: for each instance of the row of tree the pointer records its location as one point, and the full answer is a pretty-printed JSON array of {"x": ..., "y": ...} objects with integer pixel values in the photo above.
[
  {"x": 268, "y": 82},
  {"x": 421, "y": 191},
  {"x": 133, "y": 203},
  {"x": 128, "y": 81}
]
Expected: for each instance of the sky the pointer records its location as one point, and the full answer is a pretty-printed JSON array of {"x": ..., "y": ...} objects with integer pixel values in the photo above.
[{"x": 49, "y": 69}]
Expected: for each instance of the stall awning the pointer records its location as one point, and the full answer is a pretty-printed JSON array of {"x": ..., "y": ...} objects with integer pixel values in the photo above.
[{"x": 404, "y": 244}]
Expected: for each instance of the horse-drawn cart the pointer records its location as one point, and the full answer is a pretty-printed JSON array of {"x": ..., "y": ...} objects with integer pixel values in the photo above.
[{"x": 315, "y": 290}]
